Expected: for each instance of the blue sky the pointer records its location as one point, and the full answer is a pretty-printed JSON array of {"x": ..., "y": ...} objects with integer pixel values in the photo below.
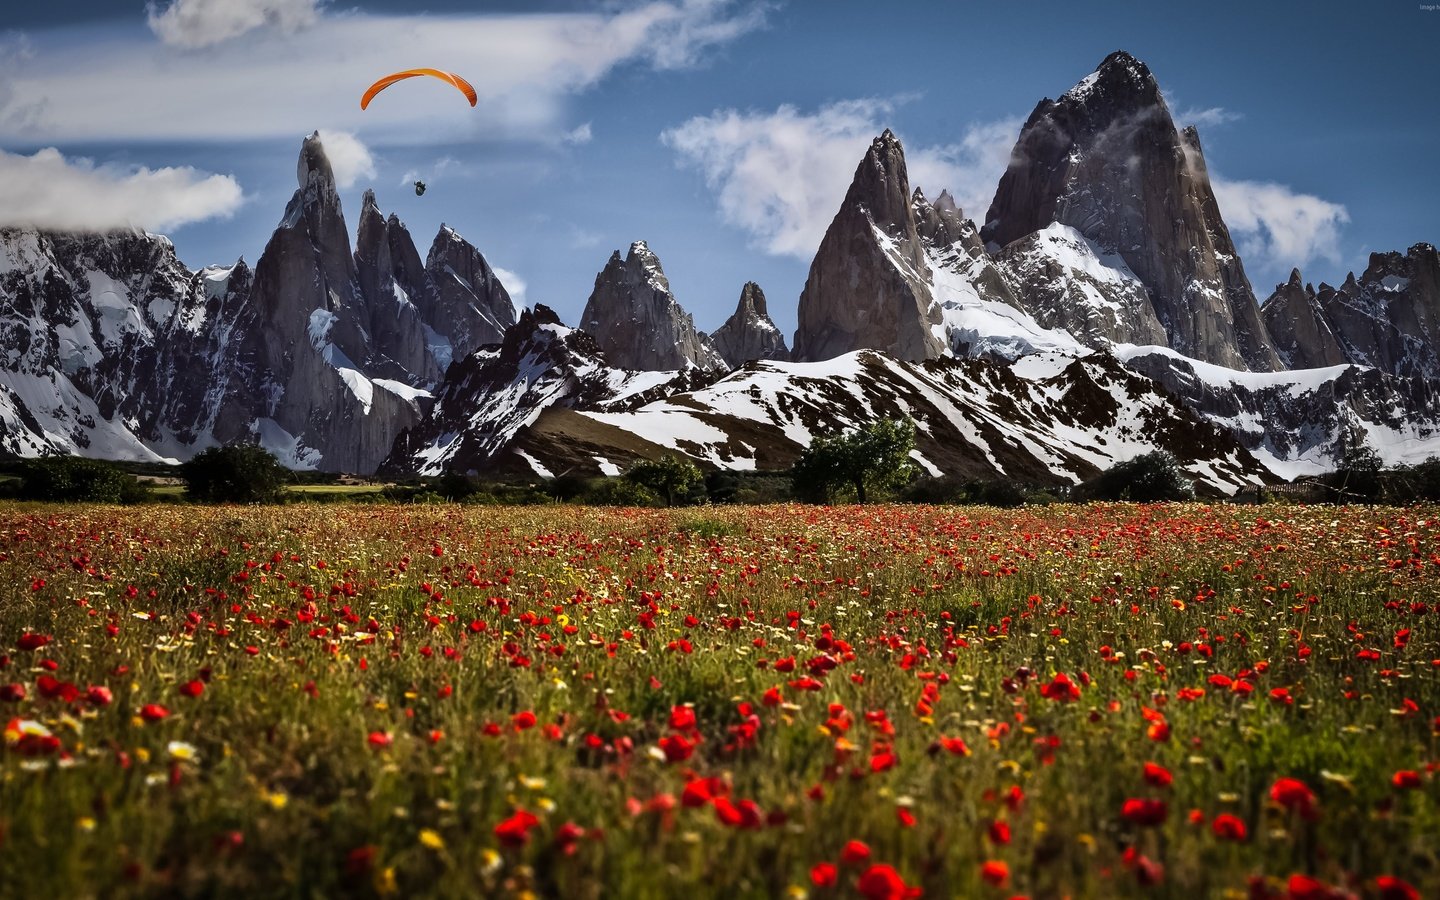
[{"x": 723, "y": 132}]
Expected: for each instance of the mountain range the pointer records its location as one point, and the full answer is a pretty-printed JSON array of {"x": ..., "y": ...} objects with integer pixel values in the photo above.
[{"x": 1100, "y": 310}]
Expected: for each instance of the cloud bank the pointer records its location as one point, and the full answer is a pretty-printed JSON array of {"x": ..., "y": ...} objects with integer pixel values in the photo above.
[
  {"x": 203, "y": 23},
  {"x": 48, "y": 191},
  {"x": 781, "y": 175},
  {"x": 278, "y": 68},
  {"x": 1277, "y": 227}
]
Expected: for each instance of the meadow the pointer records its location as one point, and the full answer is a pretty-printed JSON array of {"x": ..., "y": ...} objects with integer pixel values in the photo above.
[{"x": 881, "y": 701}]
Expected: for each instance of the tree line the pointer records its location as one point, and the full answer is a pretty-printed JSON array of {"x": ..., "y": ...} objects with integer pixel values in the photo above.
[{"x": 871, "y": 462}]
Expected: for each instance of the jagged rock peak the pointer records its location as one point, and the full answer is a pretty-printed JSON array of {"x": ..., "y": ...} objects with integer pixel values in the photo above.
[
  {"x": 314, "y": 165},
  {"x": 1119, "y": 77},
  {"x": 749, "y": 333},
  {"x": 539, "y": 314},
  {"x": 636, "y": 321},
  {"x": 869, "y": 284},
  {"x": 753, "y": 299}
]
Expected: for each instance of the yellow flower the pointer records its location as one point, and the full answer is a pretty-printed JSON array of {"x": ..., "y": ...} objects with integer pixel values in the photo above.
[{"x": 432, "y": 839}]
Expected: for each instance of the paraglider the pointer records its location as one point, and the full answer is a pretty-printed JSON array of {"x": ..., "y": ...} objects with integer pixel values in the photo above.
[
  {"x": 419, "y": 188},
  {"x": 459, "y": 83}
]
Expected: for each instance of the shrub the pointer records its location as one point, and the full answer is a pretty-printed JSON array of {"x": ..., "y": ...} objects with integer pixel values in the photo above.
[
  {"x": 669, "y": 476},
  {"x": 1149, "y": 478},
  {"x": 74, "y": 479},
  {"x": 620, "y": 492},
  {"x": 243, "y": 473}
]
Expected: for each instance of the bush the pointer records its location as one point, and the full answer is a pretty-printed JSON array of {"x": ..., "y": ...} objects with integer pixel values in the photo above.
[
  {"x": 620, "y": 492},
  {"x": 1425, "y": 480},
  {"x": 74, "y": 479},
  {"x": 875, "y": 458},
  {"x": 243, "y": 473},
  {"x": 1149, "y": 478},
  {"x": 669, "y": 476}
]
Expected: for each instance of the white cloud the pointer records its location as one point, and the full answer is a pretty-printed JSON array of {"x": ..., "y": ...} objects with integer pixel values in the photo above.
[
  {"x": 781, "y": 175},
  {"x": 350, "y": 159},
  {"x": 523, "y": 65},
  {"x": 514, "y": 285},
  {"x": 1208, "y": 117},
  {"x": 203, "y": 23},
  {"x": 47, "y": 190},
  {"x": 1277, "y": 227},
  {"x": 578, "y": 135},
  {"x": 970, "y": 168}
]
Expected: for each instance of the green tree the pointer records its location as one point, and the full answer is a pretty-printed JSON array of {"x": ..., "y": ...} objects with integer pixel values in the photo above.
[
  {"x": 75, "y": 479},
  {"x": 870, "y": 459},
  {"x": 1358, "y": 475},
  {"x": 243, "y": 473},
  {"x": 669, "y": 476},
  {"x": 1149, "y": 478}
]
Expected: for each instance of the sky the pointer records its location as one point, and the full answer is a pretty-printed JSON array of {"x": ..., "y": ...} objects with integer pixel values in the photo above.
[{"x": 722, "y": 132}]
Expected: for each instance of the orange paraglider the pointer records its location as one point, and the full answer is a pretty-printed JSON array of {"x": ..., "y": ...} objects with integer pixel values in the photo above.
[{"x": 449, "y": 77}]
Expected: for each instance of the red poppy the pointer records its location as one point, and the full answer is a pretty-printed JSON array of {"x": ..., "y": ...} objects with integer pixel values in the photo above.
[
  {"x": 1295, "y": 796},
  {"x": 193, "y": 688},
  {"x": 1158, "y": 775},
  {"x": 998, "y": 832},
  {"x": 31, "y": 641},
  {"x": 153, "y": 712},
  {"x": 1405, "y": 779},
  {"x": 12, "y": 693},
  {"x": 1143, "y": 811},
  {"x": 824, "y": 874},
  {"x": 567, "y": 836},
  {"x": 854, "y": 853},
  {"x": 1229, "y": 828},
  {"x": 379, "y": 740},
  {"x": 1392, "y": 888},
  {"x": 523, "y": 720},
  {"x": 995, "y": 872},
  {"x": 1303, "y": 887},
  {"x": 677, "y": 747},
  {"x": 882, "y": 882},
  {"x": 99, "y": 695},
  {"x": 905, "y": 816},
  {"x": 515, "y": 831},
  {"x": 1060, "y": 689},
  {"x": 682, "y": 718}
]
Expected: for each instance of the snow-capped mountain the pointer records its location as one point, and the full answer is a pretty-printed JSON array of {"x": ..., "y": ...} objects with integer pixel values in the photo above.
[
  {"x": 546, "y": 403},
  {"x": 112, "y": 348},
  {"x": 1107, "y": 160},
  {"x": 1101, "y": 311}
]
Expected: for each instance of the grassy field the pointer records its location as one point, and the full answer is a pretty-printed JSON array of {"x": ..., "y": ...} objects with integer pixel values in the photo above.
[{"x": 1072, "y": 701}]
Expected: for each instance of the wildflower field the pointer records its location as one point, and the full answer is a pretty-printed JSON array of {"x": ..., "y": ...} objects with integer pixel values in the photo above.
[{"x": 879, "y": 701}]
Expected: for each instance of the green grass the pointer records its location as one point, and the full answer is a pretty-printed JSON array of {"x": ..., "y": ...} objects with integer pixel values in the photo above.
[{"x": 350, "y": 612}]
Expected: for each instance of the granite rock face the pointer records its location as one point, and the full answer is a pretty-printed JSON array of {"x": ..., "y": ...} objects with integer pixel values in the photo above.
[
  {"x": 397, "y": 289},
  {"x": 1107, "y": 160},
  {"x": 470, "y": 306},
  {"x": 636, "y": 321},
  {"x": 1298, "y": 325},
  {"x": 1390, "y": 317},
  {"x": 869, "y": 285},
  {"x": 749, "y": 333}
]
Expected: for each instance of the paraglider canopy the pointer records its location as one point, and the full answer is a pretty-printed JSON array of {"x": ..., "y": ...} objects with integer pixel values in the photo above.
[
  {"x": 460, "y": 84},
  {"x": 419, "y": 188}
]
